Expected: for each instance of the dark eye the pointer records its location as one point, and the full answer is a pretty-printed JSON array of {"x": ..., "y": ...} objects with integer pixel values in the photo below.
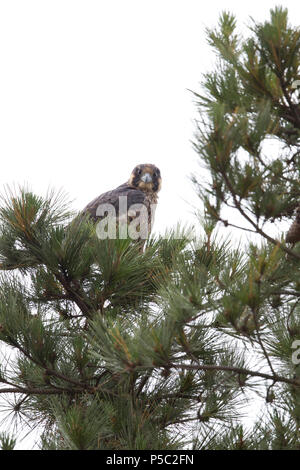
[
  {"x": 138, "y": 171},
  {"x": 156, "y": 173}
]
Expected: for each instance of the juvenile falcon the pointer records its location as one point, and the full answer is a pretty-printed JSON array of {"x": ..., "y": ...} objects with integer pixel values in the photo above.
[{"x": 139, "y": 195}]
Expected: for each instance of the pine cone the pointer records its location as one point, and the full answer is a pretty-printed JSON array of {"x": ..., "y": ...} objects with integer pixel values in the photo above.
[{"x": 293, "y": 235}]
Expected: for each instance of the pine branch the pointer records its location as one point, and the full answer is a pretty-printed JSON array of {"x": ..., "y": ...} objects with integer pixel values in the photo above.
[
  {"x": 74, "y": 295},
  {"x": 293, "y": 107},
  {"x": 224, "y": 368},
  {"x": 261, "y": 344}
]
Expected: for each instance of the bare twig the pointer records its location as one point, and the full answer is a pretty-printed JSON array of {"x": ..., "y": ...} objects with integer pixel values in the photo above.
[{"x": 254, "y": 224}]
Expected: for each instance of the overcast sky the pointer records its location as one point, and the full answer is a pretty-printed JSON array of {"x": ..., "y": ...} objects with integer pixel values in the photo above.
[{"x": 89, "y": 89}]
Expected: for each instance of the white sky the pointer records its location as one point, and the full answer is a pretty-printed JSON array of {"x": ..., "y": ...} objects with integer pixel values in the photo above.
[{"x": 89, "y": 89}]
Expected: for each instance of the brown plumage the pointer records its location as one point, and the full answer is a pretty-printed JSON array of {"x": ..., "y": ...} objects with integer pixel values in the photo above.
[
  {"x": 293, "y": 235},
  {"x": 141, "y": 189}
]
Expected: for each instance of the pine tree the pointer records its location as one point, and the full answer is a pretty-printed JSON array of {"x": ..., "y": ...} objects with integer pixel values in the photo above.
[{"x": 112, "y": 348}]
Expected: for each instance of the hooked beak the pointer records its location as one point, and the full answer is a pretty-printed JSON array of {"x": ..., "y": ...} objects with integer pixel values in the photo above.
[{"x": 146, "y": 178}]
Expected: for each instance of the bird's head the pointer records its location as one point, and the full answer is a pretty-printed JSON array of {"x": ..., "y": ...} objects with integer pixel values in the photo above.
[{"x": 145, "y": 177}]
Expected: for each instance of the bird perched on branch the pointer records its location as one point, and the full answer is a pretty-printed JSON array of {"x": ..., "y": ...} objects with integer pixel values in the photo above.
[
  {"x": 293, "y": 235},
  {"x": 133, "y": 202}
]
